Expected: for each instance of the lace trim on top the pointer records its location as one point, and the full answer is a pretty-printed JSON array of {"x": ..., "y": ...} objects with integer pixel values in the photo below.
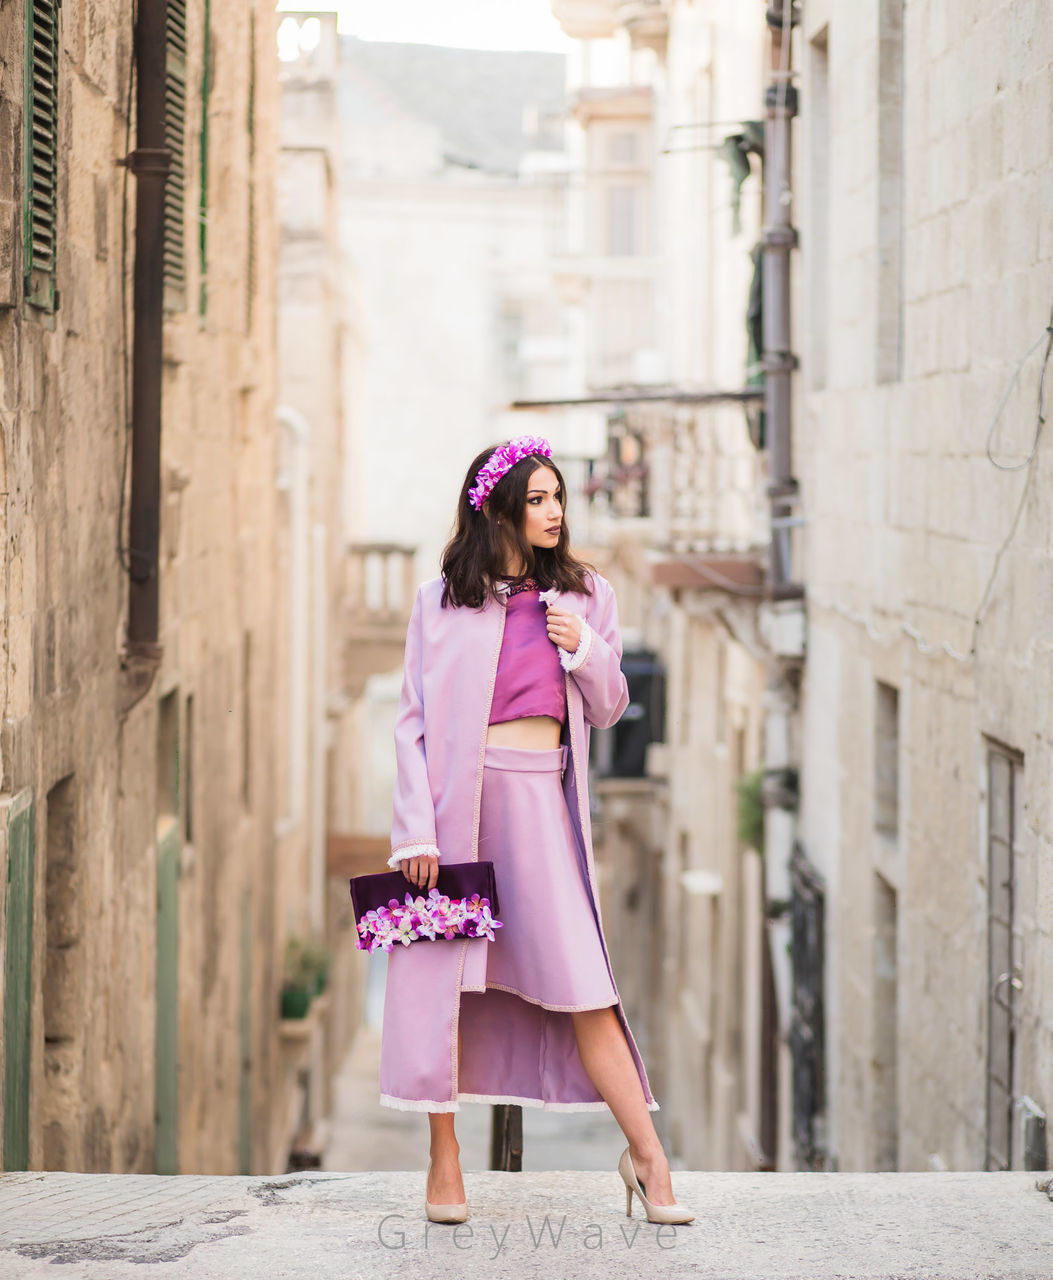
[{"x": 513, "y": 586}]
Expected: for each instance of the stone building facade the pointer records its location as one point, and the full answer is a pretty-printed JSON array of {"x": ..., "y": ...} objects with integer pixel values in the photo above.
[
  {"x": 658, "y": 281},
  {"x": 905, "y": 883},
  {"x": 143, "y": 905},
  {"x": 452, "y": 180},
  {"x": 925, "y": 278}
]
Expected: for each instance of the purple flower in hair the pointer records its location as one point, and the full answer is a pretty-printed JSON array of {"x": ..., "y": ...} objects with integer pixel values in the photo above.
[{"x": 501, "y": 461}]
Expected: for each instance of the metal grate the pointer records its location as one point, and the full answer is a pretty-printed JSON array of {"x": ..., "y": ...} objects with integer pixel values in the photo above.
[
  {"x": 807, "y": 1026},
  {"x": 1004, "y": 781},
  {"x": 175, "y": 128},
  {"x": 41, "y": 151}
]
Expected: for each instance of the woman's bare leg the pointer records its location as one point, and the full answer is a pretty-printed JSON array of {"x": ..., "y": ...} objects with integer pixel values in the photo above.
[
  {"x": 608, "y": 1060},
  {"x": 445, "y": 1184}
]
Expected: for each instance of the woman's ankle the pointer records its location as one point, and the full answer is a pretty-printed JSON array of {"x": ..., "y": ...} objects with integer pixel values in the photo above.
[{"x": 445, "y": 1150}]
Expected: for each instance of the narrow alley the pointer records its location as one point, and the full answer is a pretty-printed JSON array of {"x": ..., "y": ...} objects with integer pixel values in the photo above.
[{"x": 586, "y": 460}]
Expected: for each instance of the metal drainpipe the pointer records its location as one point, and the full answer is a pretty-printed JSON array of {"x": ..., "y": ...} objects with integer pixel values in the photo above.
[
  {"x": 778, "y": 238},
  {"x": 149, "y": 162}
]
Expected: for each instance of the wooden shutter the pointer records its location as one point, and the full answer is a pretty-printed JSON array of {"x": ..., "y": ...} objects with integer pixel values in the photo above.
[
  {"x": 202, "y": 202},
  {"x": 41, "y": 151},
  {"x": 175, "y": 132}
]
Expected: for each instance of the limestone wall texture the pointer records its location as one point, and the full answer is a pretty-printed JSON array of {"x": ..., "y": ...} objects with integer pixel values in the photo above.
[
  {"x": 925, "y": 176},
  {"x": 192, "y": 767},
  {"x": 684, "y": 908}
]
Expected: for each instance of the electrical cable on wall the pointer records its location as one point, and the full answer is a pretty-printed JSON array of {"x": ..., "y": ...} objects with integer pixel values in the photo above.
[
  {"x": 912, "y": 632},
  {"x": 1039, "y": 421}
]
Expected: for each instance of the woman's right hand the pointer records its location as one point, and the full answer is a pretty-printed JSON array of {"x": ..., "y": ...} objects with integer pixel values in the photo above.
[{"x": 422, "y": 872}]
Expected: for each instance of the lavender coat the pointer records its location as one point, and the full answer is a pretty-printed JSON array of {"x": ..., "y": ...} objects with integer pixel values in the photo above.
[{"x": 440, "y": 740}]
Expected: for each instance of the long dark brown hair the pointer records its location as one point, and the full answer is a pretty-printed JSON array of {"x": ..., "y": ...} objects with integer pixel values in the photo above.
[{"x": 474, "y": 558}]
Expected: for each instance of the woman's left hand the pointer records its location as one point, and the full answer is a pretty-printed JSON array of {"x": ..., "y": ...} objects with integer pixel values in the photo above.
[{"x": 564, "y": 628}]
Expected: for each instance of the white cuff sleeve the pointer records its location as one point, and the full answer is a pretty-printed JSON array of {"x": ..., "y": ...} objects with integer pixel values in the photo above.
[
  {"x": 571, "y": 661},
  {"x": 412, "y": 851}
]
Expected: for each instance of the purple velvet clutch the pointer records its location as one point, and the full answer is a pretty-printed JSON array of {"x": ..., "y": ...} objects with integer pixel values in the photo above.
[{"x": 463, "y": 904}]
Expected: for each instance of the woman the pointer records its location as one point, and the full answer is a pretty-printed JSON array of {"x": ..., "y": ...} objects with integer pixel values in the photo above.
[{"x": 511, "y": 654}]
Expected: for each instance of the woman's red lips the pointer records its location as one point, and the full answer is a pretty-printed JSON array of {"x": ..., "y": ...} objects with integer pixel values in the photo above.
[{"x": 553, "y": 528}]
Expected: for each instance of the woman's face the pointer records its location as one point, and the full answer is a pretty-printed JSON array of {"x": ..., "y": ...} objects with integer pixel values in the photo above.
[{"x": 543, "y": 513}]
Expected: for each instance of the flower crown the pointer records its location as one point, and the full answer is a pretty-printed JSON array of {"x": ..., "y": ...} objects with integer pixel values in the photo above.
[{"x": 501, "y": 461}]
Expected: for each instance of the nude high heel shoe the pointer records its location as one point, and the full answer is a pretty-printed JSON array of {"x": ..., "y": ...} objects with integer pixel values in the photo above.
[
  {"x": 444, "y": 1212},
  {"x": 655, "y": 1212}
]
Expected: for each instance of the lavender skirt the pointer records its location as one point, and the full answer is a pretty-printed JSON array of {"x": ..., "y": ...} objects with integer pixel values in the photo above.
[{"x": 511, "y": 1000}]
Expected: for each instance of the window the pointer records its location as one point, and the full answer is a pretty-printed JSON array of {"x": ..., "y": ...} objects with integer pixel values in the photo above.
[
  {"x": 622, "y": 148},
  {"x": 168, "y": 759},
  {"x": 886, "y": 759},
  {"x": 889, "y": 354},
  {"x": 175, "y": 186},
  {"x": 885, "y": 1042},
  {"x": 621, "y": 221},
  {"x": 40, "y": 148}
]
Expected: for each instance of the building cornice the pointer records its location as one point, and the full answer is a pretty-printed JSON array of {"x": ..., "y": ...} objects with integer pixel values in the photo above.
[{"x": 586, "y": 19}]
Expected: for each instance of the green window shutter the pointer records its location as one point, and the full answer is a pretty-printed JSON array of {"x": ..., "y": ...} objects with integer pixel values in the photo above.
[
  {"x": 17, "y": 823},
  {"x": 202, "y": 203},
  {"x": 175, "y": 132},
  {"x": 40, "y": 147}
]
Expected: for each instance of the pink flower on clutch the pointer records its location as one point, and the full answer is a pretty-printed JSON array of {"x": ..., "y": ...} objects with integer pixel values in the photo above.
[{"x": 437, "y": 916}]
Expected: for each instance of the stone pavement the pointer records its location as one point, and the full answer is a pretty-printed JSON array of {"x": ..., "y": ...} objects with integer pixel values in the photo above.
[
  {"x": 760, "y": 1226},
  {"x": 563, "y": 1216}
]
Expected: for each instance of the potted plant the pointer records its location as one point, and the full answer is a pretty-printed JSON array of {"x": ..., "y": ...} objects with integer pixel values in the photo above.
[
  {"x": 298, "y": 979},
  {"x": 750, "y": 809},
  {"x": 316, "y": 958}
]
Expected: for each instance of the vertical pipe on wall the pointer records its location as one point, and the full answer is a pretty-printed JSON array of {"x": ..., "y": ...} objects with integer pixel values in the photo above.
[
  {"x": 778, "y": 239},
  {"x": 149, "y": 162}
]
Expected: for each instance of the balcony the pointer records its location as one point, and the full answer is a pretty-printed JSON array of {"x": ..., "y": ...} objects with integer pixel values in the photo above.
[
  {"x": 380, "y": 592},
  {"x": 611, "y": 102},
  {"x": 694, "y": 477}
]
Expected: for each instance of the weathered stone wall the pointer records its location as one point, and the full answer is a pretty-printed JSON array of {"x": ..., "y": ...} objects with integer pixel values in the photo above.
[
  {"x": 686, "y": 896},
  {"x": 926, "y": 273},
  {"x": 63, "y": 414}
]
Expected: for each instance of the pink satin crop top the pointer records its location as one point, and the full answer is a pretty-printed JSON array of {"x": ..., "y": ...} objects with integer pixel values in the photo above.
[{"x": 529, "y": 675}]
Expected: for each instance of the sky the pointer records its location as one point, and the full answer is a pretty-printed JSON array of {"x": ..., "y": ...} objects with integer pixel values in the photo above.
[{"x": 464, "y": 24}]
